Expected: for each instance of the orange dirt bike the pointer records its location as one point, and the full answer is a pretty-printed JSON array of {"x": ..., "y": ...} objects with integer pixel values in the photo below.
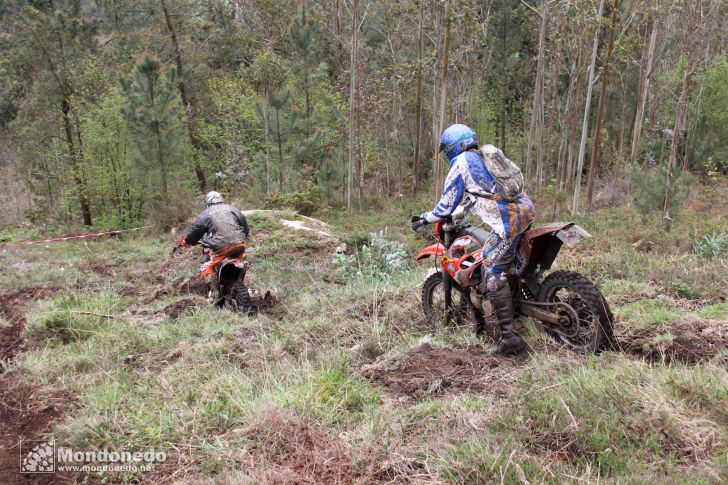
[
  {"x": 568, "y": 306},
  {"x": 228, "y": 287}
]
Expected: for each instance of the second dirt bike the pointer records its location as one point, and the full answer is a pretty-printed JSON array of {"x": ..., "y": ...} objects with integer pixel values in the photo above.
[
  {"x": 569, "y": 306},
  {"x": 228, "y": 287}
]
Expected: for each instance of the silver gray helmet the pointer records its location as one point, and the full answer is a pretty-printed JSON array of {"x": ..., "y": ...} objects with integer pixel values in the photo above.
[{"x": 213, "y": 198}]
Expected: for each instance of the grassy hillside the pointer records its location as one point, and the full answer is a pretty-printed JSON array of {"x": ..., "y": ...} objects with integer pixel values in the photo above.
[{"x": 340, "y": 379}]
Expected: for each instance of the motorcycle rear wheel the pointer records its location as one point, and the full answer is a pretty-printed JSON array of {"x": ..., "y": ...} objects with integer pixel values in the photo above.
[
  {"x": 595, "y": 332},
  {"x": 240, "y": 298}
]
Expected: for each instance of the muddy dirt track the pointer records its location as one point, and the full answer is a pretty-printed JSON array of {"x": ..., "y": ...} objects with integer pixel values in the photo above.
[
  {"x": 13, "y": 305},
  {"x": 26, "y": 410},
  {"x": 29, "y": 411}
]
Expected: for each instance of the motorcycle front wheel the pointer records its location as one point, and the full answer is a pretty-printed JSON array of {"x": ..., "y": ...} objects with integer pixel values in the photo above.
[
  {"x": 592, "y": 327},
  {"x": 461, "y": 311}
]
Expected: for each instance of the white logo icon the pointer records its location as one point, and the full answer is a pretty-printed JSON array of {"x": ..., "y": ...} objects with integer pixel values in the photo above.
[{"x": 39, "y": 459}]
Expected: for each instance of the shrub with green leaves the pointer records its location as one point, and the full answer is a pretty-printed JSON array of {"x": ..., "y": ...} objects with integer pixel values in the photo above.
[
  {"x": 651, "y": 185},
  {"x": 712, "y": 245},
  {"x": 379, "y": 259},
  {"x": 305, "y": 201}
]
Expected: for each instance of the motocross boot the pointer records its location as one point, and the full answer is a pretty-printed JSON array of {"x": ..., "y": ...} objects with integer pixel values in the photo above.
[{"x": 511, "y": 343}]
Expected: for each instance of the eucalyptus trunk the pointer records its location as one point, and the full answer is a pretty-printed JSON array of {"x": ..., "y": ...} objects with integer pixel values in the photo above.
[
  {"x": 418, "y": 116},
  {"x": 677, "y": 139},
  {"x": 440, "y": 176},
  {"x": 587, "y": 108},
  {"x": 352, "y": 114},
  {"x": 646, "y": 76},
  {"x": 596, "y": 140}
]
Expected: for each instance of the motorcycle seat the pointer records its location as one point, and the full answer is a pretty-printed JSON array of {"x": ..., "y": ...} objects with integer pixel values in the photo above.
[{"x": 477, "y": 233}]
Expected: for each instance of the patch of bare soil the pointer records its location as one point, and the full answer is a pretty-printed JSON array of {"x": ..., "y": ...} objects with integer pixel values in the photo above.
[
  {"x": 434, "y": 371},
  {"x": 268, "y": 304},
  {"x": 13, "y": 305},
  {"x": 103, "y": 268},
  {"x": 183, "y": 306},
  {"x": 682, "y": 341},
  {"x": 193, "y": 286},
  {"x": 285, "y": 450},
  {"x": 26, "y": 413},
  {"x": 162, "y": 279}
]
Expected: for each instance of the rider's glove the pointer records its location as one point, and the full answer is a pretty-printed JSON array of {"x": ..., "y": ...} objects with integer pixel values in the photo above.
[
  {"x": 182, "y": 243},
  {"x": 418, "y": 223}
]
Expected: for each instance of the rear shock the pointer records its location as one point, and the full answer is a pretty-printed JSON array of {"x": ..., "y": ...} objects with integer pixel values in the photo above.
[{"x": 526, "y": 293}]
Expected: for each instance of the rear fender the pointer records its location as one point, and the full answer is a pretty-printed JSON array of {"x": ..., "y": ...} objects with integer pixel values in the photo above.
[
  {"x": 436, "y": 250},
  {"x": 231, "y": 270},
  {"x": 542, "y": 245},
  {"x": 572, "y": 235}
]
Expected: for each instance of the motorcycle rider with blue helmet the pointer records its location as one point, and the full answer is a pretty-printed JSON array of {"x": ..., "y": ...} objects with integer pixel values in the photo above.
[{"x": 508, "y": 219}]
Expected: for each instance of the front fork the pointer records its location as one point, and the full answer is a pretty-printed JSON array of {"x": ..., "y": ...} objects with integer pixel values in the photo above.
[{"x": 447, "y": 285}]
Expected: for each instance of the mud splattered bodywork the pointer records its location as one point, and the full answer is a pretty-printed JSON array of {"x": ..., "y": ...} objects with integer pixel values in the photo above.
[{"x": 570, "y": 307}]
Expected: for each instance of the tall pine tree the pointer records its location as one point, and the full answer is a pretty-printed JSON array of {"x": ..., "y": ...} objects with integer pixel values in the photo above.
[{"x": 152, "y": 114}]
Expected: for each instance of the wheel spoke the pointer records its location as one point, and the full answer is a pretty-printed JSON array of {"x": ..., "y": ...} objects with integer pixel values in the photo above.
[{"x": 586, "y": 319}]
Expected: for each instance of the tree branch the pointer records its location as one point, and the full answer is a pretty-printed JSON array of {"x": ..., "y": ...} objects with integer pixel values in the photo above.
[{"x": 532, "y": 9}]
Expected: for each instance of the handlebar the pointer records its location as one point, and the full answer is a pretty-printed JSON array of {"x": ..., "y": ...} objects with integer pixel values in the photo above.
[{"x": 459, "y": 213}]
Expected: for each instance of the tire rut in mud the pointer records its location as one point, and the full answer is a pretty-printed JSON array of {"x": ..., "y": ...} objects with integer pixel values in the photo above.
[
  {"x": 13, "y": 305},
  {"x": 27, "y": 410}
]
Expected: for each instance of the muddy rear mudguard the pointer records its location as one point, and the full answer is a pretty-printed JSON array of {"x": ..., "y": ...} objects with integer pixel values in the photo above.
[
  {"x": 229, "y": 272},
  {"x": 540, "y": 246}
]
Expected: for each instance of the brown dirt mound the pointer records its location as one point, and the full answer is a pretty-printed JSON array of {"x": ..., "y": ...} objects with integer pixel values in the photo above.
[
  {"x": 26, "y": 414},
  {"x": 185, "y": 305},
  {"x": 13, "y": 305},
  {"x": 285, "y": 450},
  {"x": 180, "y": 261},
  {"x": 682, "y": 341},
  {"x": 269, "y": 305},
  {"x": 426, "y": 371}
]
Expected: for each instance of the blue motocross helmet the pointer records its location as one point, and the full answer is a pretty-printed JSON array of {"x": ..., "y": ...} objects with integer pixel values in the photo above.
[{"x": 456, "y": 139}]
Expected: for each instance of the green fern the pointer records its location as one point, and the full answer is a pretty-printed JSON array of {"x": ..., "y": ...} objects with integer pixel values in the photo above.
[{"x": 711, "y": 246}]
